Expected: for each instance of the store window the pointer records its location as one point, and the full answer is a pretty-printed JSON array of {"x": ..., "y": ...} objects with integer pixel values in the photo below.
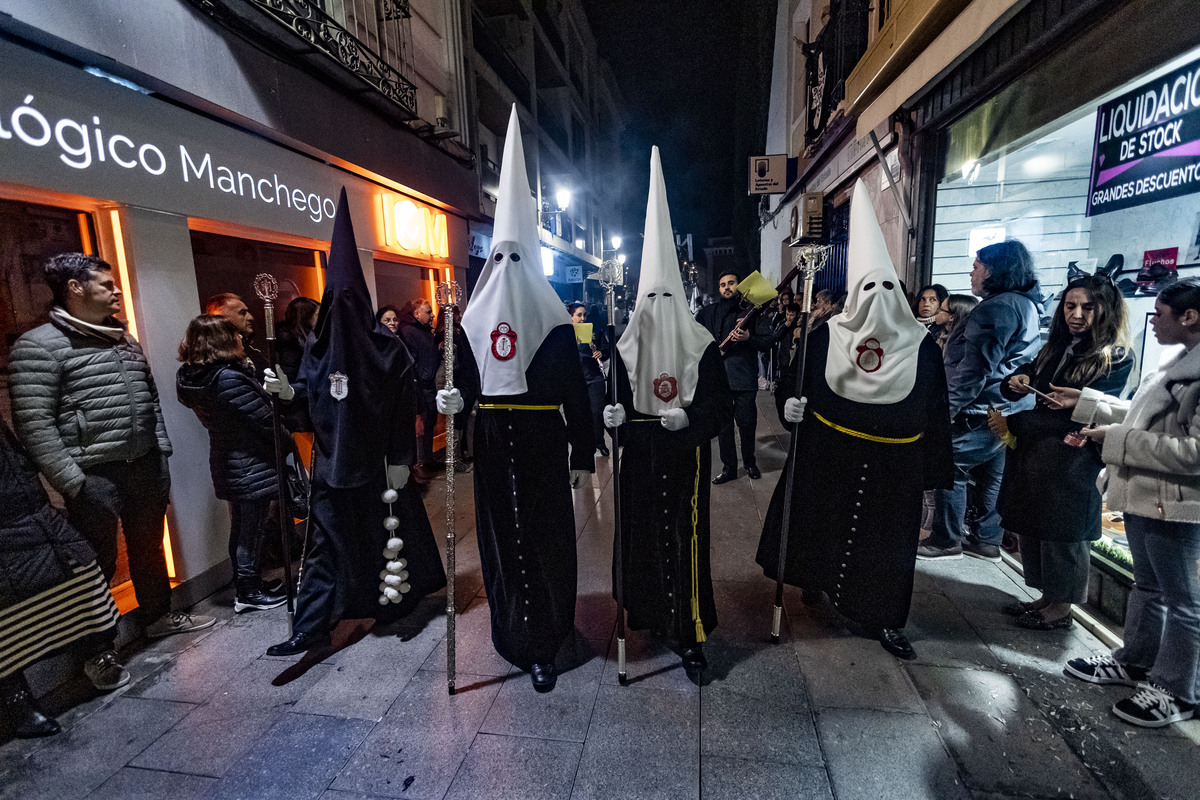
[
  {"x": 1113, "y": 186},
  {"x": 229, "y": 264}
]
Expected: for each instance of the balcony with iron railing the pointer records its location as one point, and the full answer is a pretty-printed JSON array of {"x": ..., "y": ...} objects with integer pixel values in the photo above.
[{"x": 301, "y": 32}]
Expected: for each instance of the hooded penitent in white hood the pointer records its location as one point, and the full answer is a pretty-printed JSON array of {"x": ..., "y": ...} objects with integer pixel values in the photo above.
[
  {"x": 663, "y": 343},
  {"x": 513, "y": 307},
  {"x": 873, "y": 344}
]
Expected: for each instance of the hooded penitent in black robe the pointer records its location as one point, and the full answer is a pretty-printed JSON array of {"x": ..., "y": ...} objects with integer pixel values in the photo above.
[
  {"x": 856, "y": 505},
  {"x": 524, "y": 517},
  {"x": 659, "y": 473},
  {"x": 355, "y": 437}
]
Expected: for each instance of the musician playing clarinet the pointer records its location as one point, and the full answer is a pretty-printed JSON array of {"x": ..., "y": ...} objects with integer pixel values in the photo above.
[{"x": 740, "y": 358}]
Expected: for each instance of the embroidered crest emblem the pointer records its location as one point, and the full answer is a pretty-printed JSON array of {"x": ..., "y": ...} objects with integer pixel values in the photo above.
[
  {"x": 870, "y": 355},
  {"x": 504, "y": 342},
  {"x": 665, "y": 387},
  {"x": 339, "y": 386}
]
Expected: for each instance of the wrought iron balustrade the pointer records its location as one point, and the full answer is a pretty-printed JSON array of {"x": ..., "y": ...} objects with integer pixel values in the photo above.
[{"x": 303, "y": 30}]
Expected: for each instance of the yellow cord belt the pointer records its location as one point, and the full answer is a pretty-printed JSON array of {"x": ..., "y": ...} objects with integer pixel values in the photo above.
[
  {"x": 515, "y": 407},
  {"x": 867, "y": 436},
  {"x": 700, "y": 637}
]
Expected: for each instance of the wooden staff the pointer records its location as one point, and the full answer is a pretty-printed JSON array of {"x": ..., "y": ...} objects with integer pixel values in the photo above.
[
  {"x": 447, "y": 297},
  {"x": 810, "y": 260},
  {"x": 267, "y": 288}
]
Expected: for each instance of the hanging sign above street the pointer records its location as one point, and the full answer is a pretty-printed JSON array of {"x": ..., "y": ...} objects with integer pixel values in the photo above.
[{"x": 768, "y": 174}]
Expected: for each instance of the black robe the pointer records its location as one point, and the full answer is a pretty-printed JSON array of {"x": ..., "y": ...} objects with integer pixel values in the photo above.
[
  {"x": 659, "y": 470},
  {"x": 524, "y": 516},
  {"x": 357, "y": 380},
  {"x": 856, "y": 505}
]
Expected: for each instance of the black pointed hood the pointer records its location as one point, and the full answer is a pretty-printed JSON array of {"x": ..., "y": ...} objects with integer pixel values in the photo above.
[{"x": 353, "y": 370}]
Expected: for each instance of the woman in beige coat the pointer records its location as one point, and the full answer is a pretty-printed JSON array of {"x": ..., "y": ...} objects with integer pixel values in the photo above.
[{"x": 1152, "y": 453}]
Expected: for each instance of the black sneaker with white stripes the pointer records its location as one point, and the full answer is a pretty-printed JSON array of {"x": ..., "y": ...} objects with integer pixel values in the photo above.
[
  {"x": 1103, "y": 670},
  {"x": 1153, "y": 707}
]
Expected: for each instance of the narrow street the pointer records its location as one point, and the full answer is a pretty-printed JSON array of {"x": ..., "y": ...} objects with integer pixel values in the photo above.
[{"x": 984, "y": 712}]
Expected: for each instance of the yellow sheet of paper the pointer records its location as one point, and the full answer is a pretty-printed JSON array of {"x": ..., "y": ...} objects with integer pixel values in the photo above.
[{"x": 583, "y": 333}]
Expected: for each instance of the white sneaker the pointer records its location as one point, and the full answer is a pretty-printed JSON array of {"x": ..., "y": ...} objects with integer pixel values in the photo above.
[
  {"x": 105, "y": 672},
  {"x": 178, "y": 622}
]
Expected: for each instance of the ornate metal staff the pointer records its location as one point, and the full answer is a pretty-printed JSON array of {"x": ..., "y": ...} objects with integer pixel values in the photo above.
[
  {"x": 267, "y": 288},
  {"x": 610, "y": 278},
  {"x": 447, "y": 298},
  {"x": 810, "y": 259}
]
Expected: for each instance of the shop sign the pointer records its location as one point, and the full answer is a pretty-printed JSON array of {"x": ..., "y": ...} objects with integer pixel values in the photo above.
[
  {"x": 768, "y": 174},
  {"x": 573, "y": 273},
  {"x": 1147, "y": 143},
  {"x": 68, "y": 131}
]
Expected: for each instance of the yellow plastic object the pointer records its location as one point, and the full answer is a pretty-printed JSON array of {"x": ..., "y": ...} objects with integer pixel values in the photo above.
[
  {"x": 756, "y": 290},
  {"x": 583, "y": 333}
]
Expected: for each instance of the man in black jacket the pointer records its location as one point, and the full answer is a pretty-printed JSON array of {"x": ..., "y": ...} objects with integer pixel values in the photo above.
[
  {"x": 416, "y": 331},
  {"x": 86, "y": 408},
  {"x": 740, "y": 356}
]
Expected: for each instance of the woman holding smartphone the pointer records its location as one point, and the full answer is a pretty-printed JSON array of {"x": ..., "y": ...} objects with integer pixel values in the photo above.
[
  {"x": 1153, "y": 464},
  {"x": 1048, "y": 495}
]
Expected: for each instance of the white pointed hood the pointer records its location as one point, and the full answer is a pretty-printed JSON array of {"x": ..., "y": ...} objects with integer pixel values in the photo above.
[
  {"x": 513, "y": 307},
  {"x": 663, "y": 343},
  {"x": 873, "y": 343}
]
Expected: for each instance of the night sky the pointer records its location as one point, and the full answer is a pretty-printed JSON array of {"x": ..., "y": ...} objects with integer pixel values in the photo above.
[{"x": 673, "y": 60}]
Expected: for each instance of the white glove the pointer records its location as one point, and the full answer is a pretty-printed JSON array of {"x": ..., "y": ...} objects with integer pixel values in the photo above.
[
  {"x": 449, "y": 402},
  {"x": 675, "y": 419},
  {"x": 793, "y": 409},
  {"x": 614, "y": 416},
  {"x": 577, "y": 476},
  {"x": 397, "y": 476},
  {"x": 275, "y": 382}
]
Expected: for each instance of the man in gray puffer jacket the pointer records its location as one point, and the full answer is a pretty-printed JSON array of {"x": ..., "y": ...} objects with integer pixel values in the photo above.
[{"x": 86, "y": 408}]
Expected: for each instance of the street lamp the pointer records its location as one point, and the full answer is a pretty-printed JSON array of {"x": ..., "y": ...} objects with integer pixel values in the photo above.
[
  {"x": 552, "y": 215},
  {"x": 616, "y": 242},
  {"x": 563, "y": 198}
]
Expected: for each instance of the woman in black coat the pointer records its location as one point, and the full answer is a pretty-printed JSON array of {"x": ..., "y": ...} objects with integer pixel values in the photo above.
[
  {"x": 1048, "y": 495},
  {"x": 237, "y": 414},
  {"x": 52, "y": 594}
]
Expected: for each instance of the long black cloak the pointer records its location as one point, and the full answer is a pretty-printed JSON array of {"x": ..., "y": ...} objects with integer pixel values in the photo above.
[
  {"x": 856, "y": 505},
  {"x": 357, "y": 378},
  {"x": 524, "y": 517},
  {"x": 661, "y": 472}
]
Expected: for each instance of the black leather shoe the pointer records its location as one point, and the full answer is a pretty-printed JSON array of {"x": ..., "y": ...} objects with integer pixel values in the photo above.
[
  {"x": 544, "y": 677},
  {"x": 604, "y": 451},
  {"x": 724, "y": 476},
  {"x": 298, "y": 644},
  {"x": 28, "y": 720},
  {"x": 896, "y": 643},
  {"x": 694, "y": 660},
  {"x": 753, "y": 472}
]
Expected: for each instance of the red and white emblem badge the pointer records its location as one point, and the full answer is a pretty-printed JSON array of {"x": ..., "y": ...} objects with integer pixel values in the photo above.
[
  {"x": 665, "y": 387},
  {"x": 504, "y": 342},
  {"x": 870, "y": 355}
]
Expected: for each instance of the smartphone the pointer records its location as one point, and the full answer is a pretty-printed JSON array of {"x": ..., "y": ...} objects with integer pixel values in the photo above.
[{"x": 1040, "y": 394}]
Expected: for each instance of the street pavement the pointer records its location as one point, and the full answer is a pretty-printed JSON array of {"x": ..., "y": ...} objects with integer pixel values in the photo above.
[{"x": 984, "y": 712}]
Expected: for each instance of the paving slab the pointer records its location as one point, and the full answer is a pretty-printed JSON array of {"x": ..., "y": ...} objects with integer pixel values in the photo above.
[
  {"x": 649, "y": 663},
  {"x": 424, "y": 737},
  {"x": 473, "y": 650},
  {"x": 563, "y": 714},
  {"x": 853, "y": 672},
  {"x": 516, "y": 768},
  {"x": 999, "y": 737},
  {"x": 881, "y": 754},
  {"x": 725, "y": 778},
  {"x": 942, "y": 636},
  {"x": 641, "y": 744},
  {"x": 146, "y": 784},
  {"x": 735, "y": 725},
  {"x": 78, "y": 760},
  {"x": 296, "y": 759},
  {"x": 363, "y": 687},
  {"x": 768, "y": 673},
  {"x": 229, "y": 724}
]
